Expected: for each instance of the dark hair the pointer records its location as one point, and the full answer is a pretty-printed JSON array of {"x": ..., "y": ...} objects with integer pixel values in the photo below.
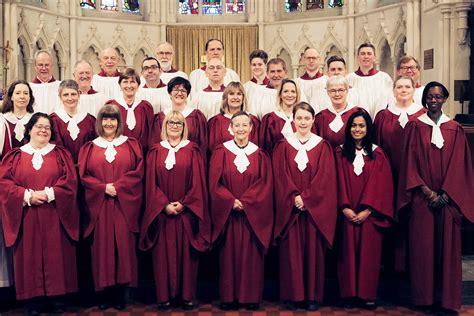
[
  {"x": 334, "y": 59},
  {"x": 259, "y": 54},
  {"x": 34, "y": 119},
  {"x": 303, "y": 106},
  {"x": 179, "y": 81},
  {"x": 7, "y": 105},
  {"x": 240, "y": 113},
  {"x": 407, "y": 59},
  {"x": 431, "y": 85},
  {"x": 363, "y": 45},
  {"x": 109, "y": 111},
  {"x": 151, "y": 58},
  {"x": 349, "y": 146},
  {"x": 211, "y": 40},
  {"x": 129, "y": 73}
]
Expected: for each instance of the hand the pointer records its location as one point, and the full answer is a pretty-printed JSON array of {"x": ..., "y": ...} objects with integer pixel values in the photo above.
[
  {"x": 362, "y": 216},
  {"x": 110, "y": 190},
  {"x": 170, "y": 209},
  {"x": 299, "y": 202},
  {"x": 178, "y": 207},
  {"x": 38, "y": 198},
  {"x": 349, "y": 213},
  {"x": 238, "y": 206}
]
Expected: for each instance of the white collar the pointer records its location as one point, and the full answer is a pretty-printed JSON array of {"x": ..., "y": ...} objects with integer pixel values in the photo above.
[
  {"x": 337, "y": 123},
  {"x": 72, "y": 122},
  {"x": 436, "y": 134},
  {"x": 37, "y": 159},
  {"x": 110, "y": 151},
  {"x": 19, "y": 129},
  {"x": 170, "y": 160},
  {"x": 241, "y": 161},
  {"x": 403, "y": 113},
  {"x": 287, "y": 129},
  {"x": 186, "y": 111},
  {"x": 359, "y": 162},
  {"x": 301, "y": 157},
  {"x": 130, "y": 120}
]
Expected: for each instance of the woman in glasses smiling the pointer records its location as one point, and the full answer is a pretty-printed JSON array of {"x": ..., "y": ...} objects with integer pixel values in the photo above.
[
  {"x": 330, "y": 122},
  {"x": 176, "y": 223}
]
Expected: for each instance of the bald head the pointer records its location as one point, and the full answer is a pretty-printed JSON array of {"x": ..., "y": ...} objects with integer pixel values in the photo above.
[
  {"x": 215, "y": 71},
  {"x": 109, "y": 60},
  {"x": 165, "y": 55},
  {"x": 43, "y": 65}
]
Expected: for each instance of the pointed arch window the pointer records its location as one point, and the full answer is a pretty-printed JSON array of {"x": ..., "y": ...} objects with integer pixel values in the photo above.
[
  {"x": 211, "y": 7},
  {"x": 125, "y": 6},
  {"x": 306, "y": 5}
]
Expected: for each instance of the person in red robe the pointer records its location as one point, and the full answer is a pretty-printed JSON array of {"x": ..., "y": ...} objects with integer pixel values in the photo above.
[
  {"x": 233, "y": 100},
  {"x": 176, "y": 223},
  {"x": 306, "y": 210},
  {"x": 196, "y": 123},
  {"x": 242, "y": 211},
  {"x": 330, "y": 122},
  {"x": 137, "y": 114},
  {"x": 436, "y": 183},
  {"x": 279, "y": 123},
  {"x": 366, "y": 205},
  {"x": 111, "y": 170},
  {"x": 40, "y": 216},
  {"x": 73, "y": 126}
]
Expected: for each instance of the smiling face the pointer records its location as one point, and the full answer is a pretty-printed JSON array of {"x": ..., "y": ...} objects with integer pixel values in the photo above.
[
  {"x": 403, "y": 90},
  {"x": 44, "y": 67},
  {"x": 20, "y": 97},
  {"x": 69, "y": 98},
  {"x": 338, "y": 95},
  {"x": 276, "y": 73},
  {"x": 257, "y": 66},
  {"x": 289, "y": 95},
  {"x": 109, "y": 60},
  {"x": 241, "y": 126},
  {"x": 303, "y": 121},
  {"x": 178, "y": 96},
  {"x": 409, "y": 69},
  {"x": 174, "y": 128},
  {"x": 214, "y": 50},
  {"x": 129, "y": 87},
  {"x": 40, "y": 133},
  {"x": 435, "y": 99},
  {"x": 109, "y": 126},
  {"x": 83, "y": 75},
  {"x": 358, "y": 129},
  {"x": 151, "y": 70},
  {"x": 235, "y": 99},
  {"x": 366, "y": 57}
]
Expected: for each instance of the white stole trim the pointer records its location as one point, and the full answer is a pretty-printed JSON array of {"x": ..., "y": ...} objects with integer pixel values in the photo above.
[
  {"x": 359, "y": 162},
  {"x": 170, "y": 160},
  {"x": 229, "y": 129},
  {"x": 301, "y": 157},
  {"x": 37, "y": 159},
  {"x": 241, "y": 161},
  {"x": 287, "y": 129},
  {"x": 110, "y": 151},
  {"x": 131, "y": 120},
  {"x": 337, "y": 123},
  {"x": 19, "y": 130},
  {"x": 72, "y": 122},
  {"x": 436, "y": 134},
  {"x": 403, "y": 113}
]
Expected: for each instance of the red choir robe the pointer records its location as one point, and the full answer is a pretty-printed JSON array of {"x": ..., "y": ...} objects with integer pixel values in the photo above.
[
  {"x": 175, "y": 241},
  {"x": 86, "y": 125},
  {"x": 143, "y": 113},
  {"x": 111, "y": 224},
  {"x": 325, "y": 124},
  {"x": 389, "y": 126},
  {"x": 42, "y": 236},
  {"x": 275, "y": 126},
  {"x": 434, "y": 234},
  {"x": 9, "y": 138},
  {"x": 245, "y": 235},
  {"x": 220, "y": 132},
  {"x": 361, "y": 244},
  {"x": 195, "y": 121},
  {"x": 304, "y": 235}
]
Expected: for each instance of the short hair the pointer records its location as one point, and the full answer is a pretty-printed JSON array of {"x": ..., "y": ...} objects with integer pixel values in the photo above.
[
  {"x": 258, "y": 53},
  {"x": 232, "y": 86},
  {"x": 168, "y": 117},
  {"x": 82, "y": 61},
  {"x": 165, "y": 43},
  {"x": 179, "y": 81},
  {"x": 363, "y": 45},
  {"x": 335, "y": 58},
  {"x": 430, "y": 85},
  {"x": 109, "y": 111},
  {"x": 403, "y": 77},
  {"x": 8, "y": 106},
  {"x": 303, "y": 106},
  {"x": 349, "y": 147},
  {"x": 407, "y": 59},
  {"x": 42, "y": 51},
  {"x": 280, "y": 91},
  {"x": 112, "y": 48},
  {"x": 151, "y": 58},
  {"x": 33, "y": 120},
  {"x": 336, "y": 80},
  {"x": 129, "y": 73},
  {"x": 240, "y": 113},
  {"x": 277, "y": 61},
  {"x": 211, "y": 40},
  {"x": 68, "y": 84}
]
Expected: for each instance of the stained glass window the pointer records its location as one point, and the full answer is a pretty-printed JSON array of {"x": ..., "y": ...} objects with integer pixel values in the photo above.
[
  {"x": 109, "y": 5},
  {"x": 211, "y": 7},
  {"x": 293, "y": 5},
  {"x": 88, "y": 4},
  {"x": 314, "y": 4},
  {"x": 131, "y": 6},
  {"x": 335, "y": 3},
  {"x": 188, "y": 7},
  {"x": 235, "y": 6}
]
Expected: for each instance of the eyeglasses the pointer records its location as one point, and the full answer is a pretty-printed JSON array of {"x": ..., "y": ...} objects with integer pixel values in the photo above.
[
  {"x": 154, "y": 67},
  {"x": 41, "y": 127},
  {"x": 212, "y": 68},
  {"x": 175, "y": 123},
  {"x": 411, "y": 68},
  {"x": 437, "y": 97},
  {"x": 165, "y": 53},
  {"x": 178, "y": 91},
  {"x": 338, "y": 91}
]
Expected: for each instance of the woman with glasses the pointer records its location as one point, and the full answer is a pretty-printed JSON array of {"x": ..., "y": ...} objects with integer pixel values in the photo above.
[
  {"x": 196, "y": 123},
  {"x": 330, "y": 122},
  {"x": 137, "y": 114},
  {"x": 111, "y": 170},
  {"x": 176, "y": 224},
  {"x": 436, "y": 183},
  {"x": 40, "y": 217}
]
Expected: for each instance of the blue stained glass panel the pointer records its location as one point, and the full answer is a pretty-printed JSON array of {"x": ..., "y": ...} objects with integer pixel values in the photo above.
[
  {"x": 131, "y": 6},
  {"x": 213, "y": 7},
  {"x": 293, "y": 5},
  {"x": 235, "y": 6},
  {"x": 186, "y": 7}
]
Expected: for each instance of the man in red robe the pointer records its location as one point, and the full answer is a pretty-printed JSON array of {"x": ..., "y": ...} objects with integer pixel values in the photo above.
[{"x": 106, "y": 81}]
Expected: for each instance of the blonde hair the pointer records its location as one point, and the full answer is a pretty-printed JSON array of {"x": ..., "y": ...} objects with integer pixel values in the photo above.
[
  {"x": 233, "y": 86},
  {"x": 174, "y": 114},
  {"x": 280, "y": 91}
]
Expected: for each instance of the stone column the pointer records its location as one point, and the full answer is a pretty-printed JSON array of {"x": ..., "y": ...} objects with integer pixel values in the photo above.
[
  {"x": 73, "y": 55},
  {"x": 153, "y": 16},
  {"x": 13, "y": 41},
  {"x": 261, "y": 26},
  {"x": 163, "y": 20},
  {"x": 410, "y": 28},
  {"x": 351, "y": 49},
  {"x": 417, "y": 29},
  {"x": 6, "y": 40},
  {"x": 28, "y": 62},
  {"x": 445, "y": 43}
]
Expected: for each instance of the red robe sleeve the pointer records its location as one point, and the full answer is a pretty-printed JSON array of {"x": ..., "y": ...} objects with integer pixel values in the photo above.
[
  {"x": 266, "y": 132},
  {"x": 201, "y": 126},
  {"x": 320, "y": 197},
  {"x": 257, "y": 198},
  {"x": 158, "y": 122}
]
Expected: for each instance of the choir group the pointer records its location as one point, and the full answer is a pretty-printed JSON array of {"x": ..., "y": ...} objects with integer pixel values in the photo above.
[{"x": 155, "y": 161}]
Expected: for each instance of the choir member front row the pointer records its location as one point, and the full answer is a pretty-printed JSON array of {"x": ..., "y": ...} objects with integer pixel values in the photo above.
[{"x": 315, "y": 188}]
